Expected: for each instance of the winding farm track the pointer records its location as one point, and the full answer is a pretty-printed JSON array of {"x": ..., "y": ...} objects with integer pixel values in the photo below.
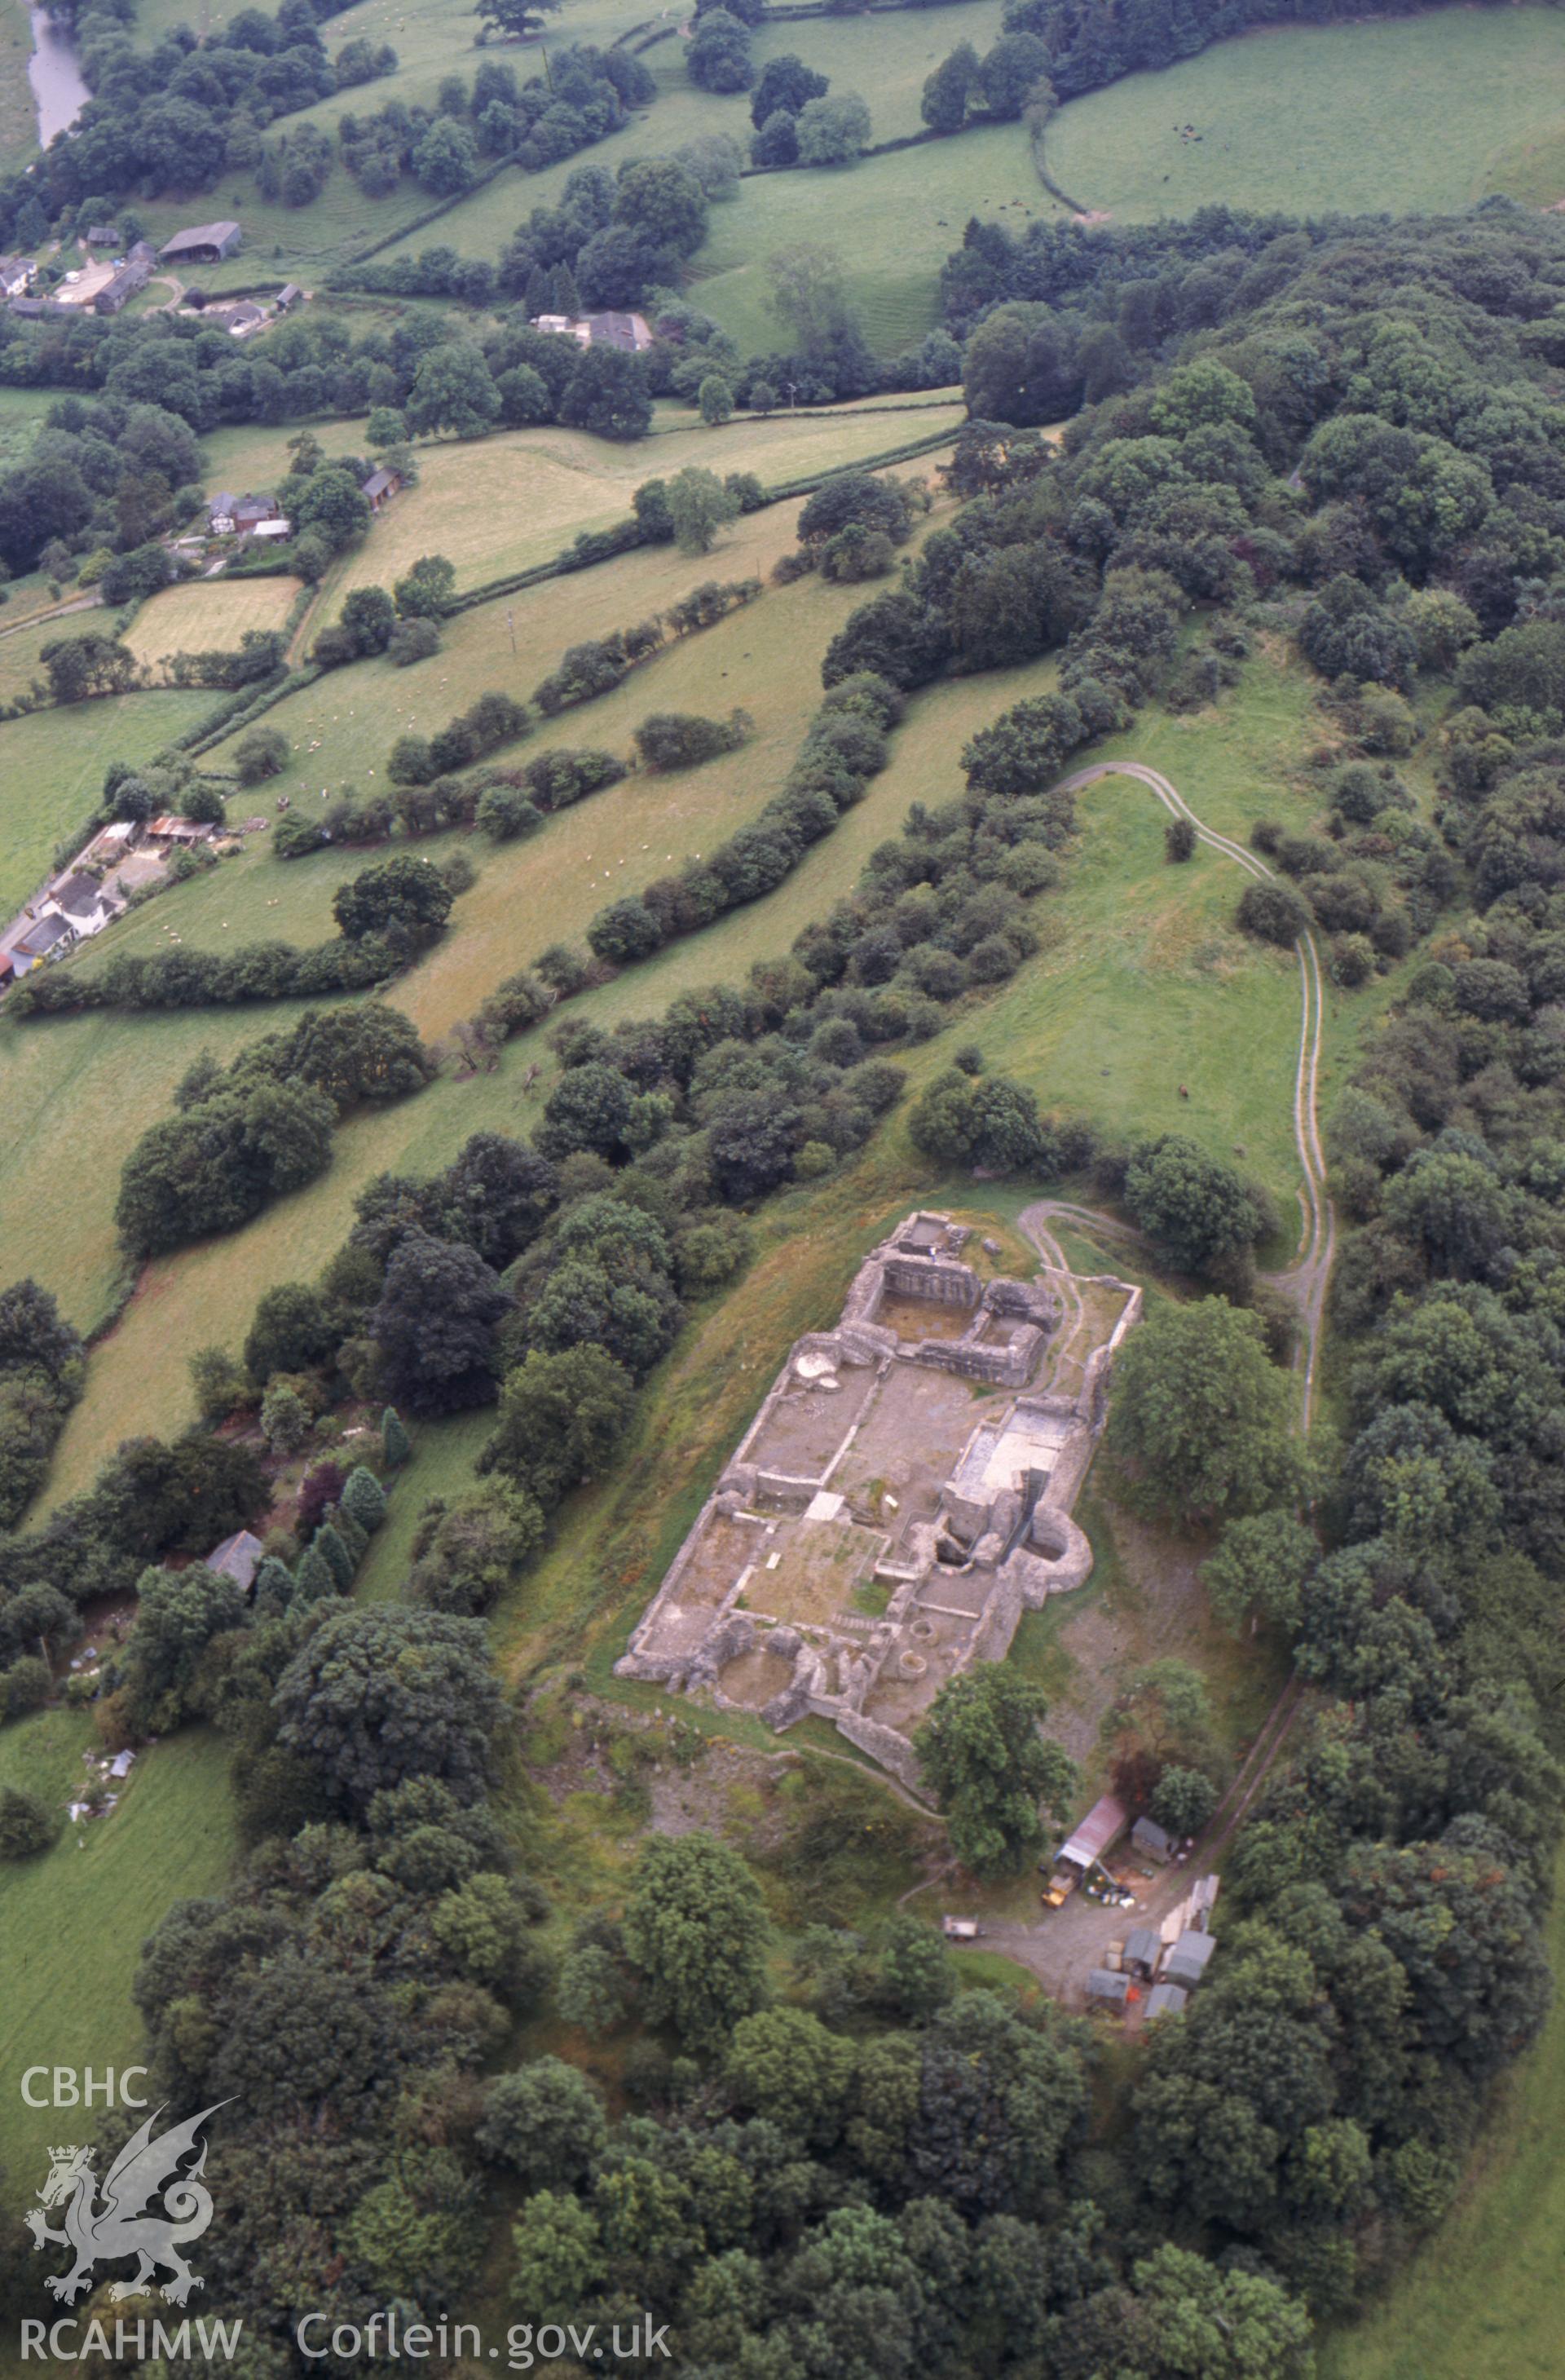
[
  {"x": 1052, "y": 1951},
  {"x": 1306, "y": 1280}
]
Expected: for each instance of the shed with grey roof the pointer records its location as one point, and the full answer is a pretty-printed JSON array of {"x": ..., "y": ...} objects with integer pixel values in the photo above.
[
  {"x": 238, "y": 1558},
  {"x": 1105, "y": 1989},
  {"x": 1186, "y": 1962},
  {"x": 1144, "y": 1948},
  {"x": 1165, "y": 2000},
  {"x": 201, "y": 244}
]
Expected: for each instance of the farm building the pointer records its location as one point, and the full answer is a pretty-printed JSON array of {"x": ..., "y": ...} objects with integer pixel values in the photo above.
[
  {"x": 15, "y": 274},
  {"x": 241, "y": 320},
  {"x": 201, "y": 244},
  {"x": 1155, "y": 1840},
  {"x": 170, "y": 828},
  {"x": 380, "y": 487},
  {"x": 630, "y": 333},
  {"x": 1165, "y": 2000},
  {"x": 1099, "y": 1833},
  {"x": 1144, "y": 1948},
  {"x": 113, "y": 843},
  {"x": 132, "y": 276},
  {"x": 31, "y": 308},
  {"x": 238, "y": 1558},
  {"x": 101, "y": 235},
  {"x": 289, "y": 295},
  {"x": 1107, "y": 1989},
  {"x": 1186, "y": 1962}
]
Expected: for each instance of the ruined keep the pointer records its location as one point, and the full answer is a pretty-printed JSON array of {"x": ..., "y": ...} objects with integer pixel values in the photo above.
[{"x": 903, "y": 1496}]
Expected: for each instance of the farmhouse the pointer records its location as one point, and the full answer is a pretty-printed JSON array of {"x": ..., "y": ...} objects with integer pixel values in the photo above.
[
  {"x": 202, "y": 244},
  {"x": 16, "y": 275},
  {"x": 85, "y": 905},
  {"x": 228, "y": 515},
  {"x": 380, "y": 487},
  {"x": 902, "y": 1497}
]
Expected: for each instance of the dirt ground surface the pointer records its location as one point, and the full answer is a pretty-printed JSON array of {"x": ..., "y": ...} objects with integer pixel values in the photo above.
[{"x": 1157, "y": 1608}]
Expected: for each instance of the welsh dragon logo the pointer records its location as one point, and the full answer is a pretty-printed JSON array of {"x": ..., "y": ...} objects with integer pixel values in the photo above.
[{"x": 125, "y": 2218}]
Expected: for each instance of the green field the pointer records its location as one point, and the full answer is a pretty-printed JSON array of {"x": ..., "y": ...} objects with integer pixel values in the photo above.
[
  {"x": 50, "y": 775},
  {"x": 1422, "y": 113},
  {"x": 885, "y": 59},
  {"x": 1482, "y": 2296},
  {"x": 209, "y": 615},
  {"x": 1139, "y": 958},
  {"x": 21, "y": 416},
  {"x": 896, "y": 220},
  {"x": 22, "y": 644},
  {"x": 71, "y": 1923},
  {"x": 500, "y": 504},
  {"x": 18, "y": 122}
]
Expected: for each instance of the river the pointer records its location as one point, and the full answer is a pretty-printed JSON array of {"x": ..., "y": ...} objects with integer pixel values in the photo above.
[{"x": 58, "y": 91}]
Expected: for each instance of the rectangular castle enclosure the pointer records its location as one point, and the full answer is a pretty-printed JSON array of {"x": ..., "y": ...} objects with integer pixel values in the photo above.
[
  {"x": 900, "y": 1499},
  {"x": 945, "y": 1284}
]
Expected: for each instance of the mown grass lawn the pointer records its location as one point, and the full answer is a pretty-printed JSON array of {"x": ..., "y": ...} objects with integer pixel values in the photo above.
[
  {"x": 208, "y": 616},
  {"x": 1419, "y": 113},
  {"x": 71, "y": 1923}
]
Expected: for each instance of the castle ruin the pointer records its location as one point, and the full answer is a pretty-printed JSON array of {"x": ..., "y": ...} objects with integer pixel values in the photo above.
[{"x": 903, "y": 1496}]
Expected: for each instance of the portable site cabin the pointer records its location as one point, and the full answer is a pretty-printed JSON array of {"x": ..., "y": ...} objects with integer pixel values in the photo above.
[
  {"x": 1143, "y": 1947},
  {"x": 1099, "y": 1833},
  {"x": 1186, "y": 1962},
  {"x": 1165, "y": 2000},
  {"x": 1105, "y": 1989}
]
